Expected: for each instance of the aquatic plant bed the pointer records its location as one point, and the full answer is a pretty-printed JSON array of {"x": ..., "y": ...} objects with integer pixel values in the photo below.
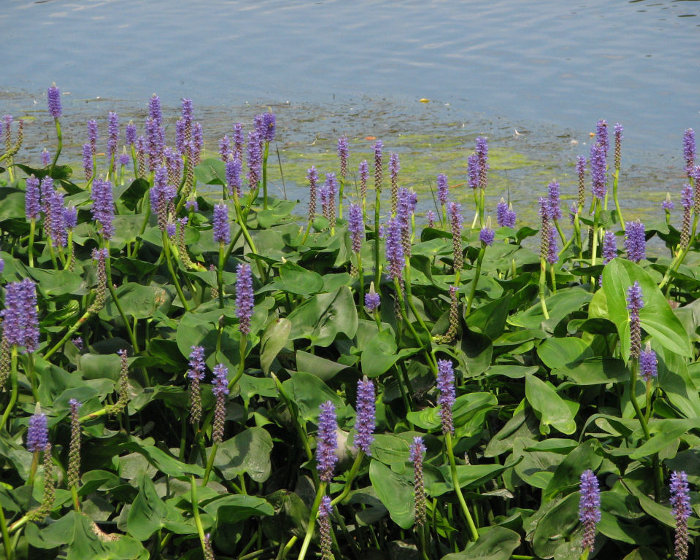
[{"x": 191, "y": 370}]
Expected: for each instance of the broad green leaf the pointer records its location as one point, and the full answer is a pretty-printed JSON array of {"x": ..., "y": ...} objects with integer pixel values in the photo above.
[
  {"x": 567, "y": 477},
  {"x": 147, "y": 513},
  {"x": 494, "y": 543},
  {"x": 247, "y": 452},
  {"x": 657, "y": 317},
  {"x": 297, "y": 280},
  {"x": 558, "y": 524},
  {"x": 395, "y": 492},
  {"x": 550, "y": 407},
  {"x": 233, "y": 508},
  {"x": 316, "y": 365},
  {"x": 468, "y": 476},
  {"x": 324, "y": 316},
  {"x": 559, "y": 305},
  {"x": 563, "y": 352},
  {"x": 273, "y": 340},
  {"x": 595, "y": 371},
  {"x": 307, "y": 392},
  {"x": 466, "y": 409}
]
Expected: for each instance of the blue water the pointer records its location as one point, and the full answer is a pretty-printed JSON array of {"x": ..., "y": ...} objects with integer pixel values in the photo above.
[{"x": 550, "y": 65}]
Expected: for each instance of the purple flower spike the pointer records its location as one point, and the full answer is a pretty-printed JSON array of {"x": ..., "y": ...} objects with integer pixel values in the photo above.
[
  {"x": 55, "y": 220},
  {"x": 554, "y": 210},
  {"x": 356, "y": 227},
  {"x": 130, "y": 134},
  {"x": 618, "y": 145},
  {"x": 609, "y": 247},
  {"x": 87, "y": 161},
  {"x": 233, "y": 176},
  {"x": 325, "y": 509},
  {"x": 667, "y": 204},
  {"x": 416, "y": 453},
  {"x": 238, "y": 140},
  {"x": 598, "y": 171},
  {"x": 378, "y": 165},
  {"x": 482, "y": 154},
  {"x": 372, "y": 301},
  {"x": 589, "y": 508},
  {"x": 343, "y": 152},
  {"x": 312, "y": 177},
  {"x": 244, "y": 297},
  {"x": 689, "y": 149},
  {"x": 394, "y": 248},
  {"x": 92, "y": 135},
  {"x": 103, "y": 206},
  {"x": 54, "y": 101},
  {"x": 486, "y": 236},
  {"x": 154, "y": 109},
  {"x": 268, "y": 127},
  {"x": 601, "y": 135},
  {"x": 635, "y": 243},
  {"x": 446, "y": 386},
  {"x": 254, "y": 159},
  {"x": 326, "y": 442},
  {"x": 648, "y": 363},
  {"x": 473, "y": 171},
  {"x": 196, "y": 363},
  {"x": 38, "y": 433},
  {"x": 224, "y": 148},
  {"x": 454, "y": 211},
  {"x": 222, "y": 228},
  {"x": 502, "y": 213},
  {"x": 431, "y": 216},
  {"x": 363, "y": 171},
  {"x": 45, "y": 158},
  {"x": 634, "y": 305},
  {"x": 70, "y": 217},
  {"x": 680, "y": 508},
  {"x": 220, "y": 390},
  {"x": 20, "y": 322},
  {"x": 442, "y": 188},
  {"x": 113, "y": 134},
  {"x": 123, "y": 159},
  {"x": 364, "y": 422},
  {"x": 32, "y": 206},
  {"x": 581, "y": 172}
]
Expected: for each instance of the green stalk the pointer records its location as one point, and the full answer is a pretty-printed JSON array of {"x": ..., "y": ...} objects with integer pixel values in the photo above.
[
  {"x": 241, "y": 362},
  {"x": 9, "y": 553},
  {"x": 59, "y": 136},
  {"x": 341, "y": 189},
  {"x": 312, "y": 520},
  {"x": 246, "y": 235},
  {"x": 220, "y": 274},
  {"x": 616, "y": 177},
  {"x": 210, "y": 463},
  {"x": 195, "y": 513},
  {"x": 13, "y": 393},
  {"x": 477, "y": 274},
  {"x": 264, "y": 177},
  {"x": 32, "y": 231},
  {"x": 542, "y": 287},
  {"x": 168, "y": 259},
  {"x": 348, "y": 481},
  {"x": 473, "y": 533},
  {"x": 118, "y": 305},
  {"x": 377, "y": 265}
]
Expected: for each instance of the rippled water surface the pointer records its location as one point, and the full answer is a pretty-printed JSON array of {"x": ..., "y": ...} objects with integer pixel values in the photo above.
[{"x": 534, "y": 76}]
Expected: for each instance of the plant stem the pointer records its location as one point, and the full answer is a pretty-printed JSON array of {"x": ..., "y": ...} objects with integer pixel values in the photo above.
[
  {"x": 195, "y": 513},
  {"x": 210, "y": 463},
  {"x": 312, "y": 520},
  {"x": 13, "y": 393},
  {"x": 473, "y": 533},
  {"x": 348, "y": 481},
  {"x": 169, "y": 261},
  {"x": 477, "y": 274},
  {"x": 118, "y": 305}
]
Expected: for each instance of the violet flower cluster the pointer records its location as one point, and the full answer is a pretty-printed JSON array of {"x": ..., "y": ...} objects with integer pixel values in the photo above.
[
  {"x": 343, "y": 152},
  {"x": 635, "y": 242},
  {"x": 482, "y": 154},
  {"x": 196, "y": 375},
  {"x": 446, "y": 386},
  {"x": 244, "y": 297},
  {"x": 554, "y": 209},
  {"x": 689, "y": 150},
  {"x": 254, "y": 154},
  {"x": 394, "y": 248},
  {"x": 103, "y": 206},
  {"x": 20, "y": 324},
  {"x": 356, "y": 227},
  {"x": 589, "y": 508},
  {"x": 37, "y": 433},
  {"x": 222, "y": 228},
  {"x": 648, "y": 363},
  {"x": 416, "y": 453},
  {"x": 598, "y": 171},
  {"x": 505, "y": 215},
  {"x": 681, "y": 511},
  {"x": 312, "y": 177},
  {"x": 365, "y": 421},
  {"x": 442, "y": 189},
  {"x": 487, "y": 235},
  {"x": 372, "y": 301},
  {"x": 634, "y": 305},
  {"x": 54, "y": 101},
  {"x": 220, "y": 390},
  {"x": 363, "y": 171},
  {"x": 326, "y": 442}
]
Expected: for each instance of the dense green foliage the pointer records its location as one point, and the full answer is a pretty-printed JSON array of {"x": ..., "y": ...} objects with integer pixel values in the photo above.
[{"x": 546, "y": 386}]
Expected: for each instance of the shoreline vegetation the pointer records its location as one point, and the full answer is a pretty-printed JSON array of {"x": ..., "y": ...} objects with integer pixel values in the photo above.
[{"x": 188, "y": 369}]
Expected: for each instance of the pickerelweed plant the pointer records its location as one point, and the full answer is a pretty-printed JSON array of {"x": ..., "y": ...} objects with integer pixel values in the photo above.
[{"x": 190, "y": 370}]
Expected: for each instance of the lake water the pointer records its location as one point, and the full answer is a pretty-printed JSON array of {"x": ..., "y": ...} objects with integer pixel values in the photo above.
[{"x": 547, "y": 69}]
